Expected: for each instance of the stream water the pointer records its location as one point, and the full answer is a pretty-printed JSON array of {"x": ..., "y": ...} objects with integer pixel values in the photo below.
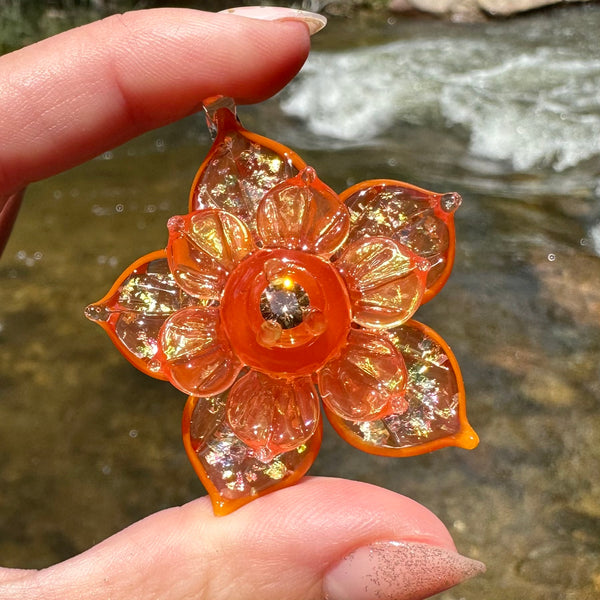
[{"x": 505, "y": 113}]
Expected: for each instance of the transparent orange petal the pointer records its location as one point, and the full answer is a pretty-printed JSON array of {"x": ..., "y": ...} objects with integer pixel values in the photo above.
[
  {"x": 366, "y": 381},
  {"x": 436, "y": 414},
  {"x": 135, "y": 308},
  {"x": 240, "y": 167},
  {"x": 204, "y": 247},
  {"x": 386, "y": 281},
  {"x": 227, "y": 467},
  {"x": 421, "y": 220},
  {"x": 302, "y": 213},
  {"x": 195, "y": 353},
  {"x": 272, "y": 415}
]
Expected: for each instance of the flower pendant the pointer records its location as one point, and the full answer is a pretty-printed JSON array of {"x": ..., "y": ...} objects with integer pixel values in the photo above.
[{"x": 275, "y": 296}]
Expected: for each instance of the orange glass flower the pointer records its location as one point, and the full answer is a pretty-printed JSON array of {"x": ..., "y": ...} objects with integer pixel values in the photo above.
[{"x": 273, "y": 294}]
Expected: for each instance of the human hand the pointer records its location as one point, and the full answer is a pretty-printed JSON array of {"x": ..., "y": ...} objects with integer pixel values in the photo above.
[
  {"x": 76, "y": 95},
  {"x": 321, "y": 538}
]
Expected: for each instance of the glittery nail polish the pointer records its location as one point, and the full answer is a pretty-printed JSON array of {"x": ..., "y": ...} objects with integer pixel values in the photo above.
[
  {"x": 397, "y": 571},
  {"x": 314, "y": 21}
]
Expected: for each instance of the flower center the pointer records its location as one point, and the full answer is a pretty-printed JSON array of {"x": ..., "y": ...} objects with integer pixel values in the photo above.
[
  {"x": 286, "y": 312},
  {"x": 284, "y": 302}
]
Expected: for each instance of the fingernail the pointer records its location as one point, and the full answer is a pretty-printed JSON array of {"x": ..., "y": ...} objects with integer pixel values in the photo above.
[
  {"x": 397, "y": 571},
  {"x": 313, "y": 21}
]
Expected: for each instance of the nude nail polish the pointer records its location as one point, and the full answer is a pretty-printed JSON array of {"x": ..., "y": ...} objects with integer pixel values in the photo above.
[
  {"x": 313, "y": 21},
  {"x": 397, "y": 571}
]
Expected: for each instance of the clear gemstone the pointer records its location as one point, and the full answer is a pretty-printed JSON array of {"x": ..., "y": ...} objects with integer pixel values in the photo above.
[{"x": 284, "y": 302}]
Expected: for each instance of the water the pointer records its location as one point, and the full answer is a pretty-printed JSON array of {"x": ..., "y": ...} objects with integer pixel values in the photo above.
[
  {"x": 525, "y": 95},
  {"x": 508, "y": 115},
  {"x": 524, "y": 92}
]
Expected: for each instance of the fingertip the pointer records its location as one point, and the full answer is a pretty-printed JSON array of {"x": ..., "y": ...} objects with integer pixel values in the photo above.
[
  {"x": 169, "y": 59},
  {"x": 327, "y": 508},
  {"x": 322, "y": 504},
  {"x": 285, "y": 43},
  {"x": 308, "y": 530}
]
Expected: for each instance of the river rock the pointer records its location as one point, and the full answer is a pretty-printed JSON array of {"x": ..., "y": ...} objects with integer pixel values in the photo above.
[
  {"x": 510, "y": 7},
  {"x": 456, "y": 10},
  {"x": 472, "y": 9}
]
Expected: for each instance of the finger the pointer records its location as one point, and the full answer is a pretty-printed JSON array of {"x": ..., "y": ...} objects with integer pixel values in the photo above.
[
  {"x": 70, "y": 97},
  {"x": 294, "y": 544},
  {"x": 12, "y": 575}
]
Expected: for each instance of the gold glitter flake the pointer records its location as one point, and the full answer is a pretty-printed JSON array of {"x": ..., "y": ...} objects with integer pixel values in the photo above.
[{"x": 276, "y": 470}]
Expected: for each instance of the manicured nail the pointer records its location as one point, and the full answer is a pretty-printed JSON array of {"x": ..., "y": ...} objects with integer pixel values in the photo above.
[
  {"x": 313, "y": 21},
  {"x": 397, "y": 571}
]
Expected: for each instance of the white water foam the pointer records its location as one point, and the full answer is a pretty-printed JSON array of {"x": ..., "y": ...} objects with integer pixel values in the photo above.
[{"x": 528, "y": 104}]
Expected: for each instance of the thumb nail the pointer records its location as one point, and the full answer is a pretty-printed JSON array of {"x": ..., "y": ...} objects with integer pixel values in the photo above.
[
  {"x": 313, "y": 21},
  {"x": 397, "y": 571}
]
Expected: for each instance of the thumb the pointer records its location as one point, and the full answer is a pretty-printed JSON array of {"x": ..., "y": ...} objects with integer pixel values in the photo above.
[{"x": 322, "y": 538}]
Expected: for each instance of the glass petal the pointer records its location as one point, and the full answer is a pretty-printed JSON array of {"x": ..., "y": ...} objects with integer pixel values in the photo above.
[
  {"x": 302, "y": 213},
  {"x": 366, "y": 381},
  {"x": 195, "y": 353},
  {"x": 272, "y": 415},
  {"x": 436, "y": 413},
  {"x": 421, "y": 220},
  {"x": 240, "y": 168},
  {"x": 204, "y": 247},
  {"x": 228, "y": 468},
  {"x": 386, "y": 281},
  {"x": 135, "y": 308}
]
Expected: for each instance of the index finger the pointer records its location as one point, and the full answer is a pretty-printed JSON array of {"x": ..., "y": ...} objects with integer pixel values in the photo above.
[{"x": 75, "y": 95}]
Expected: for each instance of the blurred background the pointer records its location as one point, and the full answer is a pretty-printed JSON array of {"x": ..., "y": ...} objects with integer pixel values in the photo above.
[{"x": 505, "y": 111}]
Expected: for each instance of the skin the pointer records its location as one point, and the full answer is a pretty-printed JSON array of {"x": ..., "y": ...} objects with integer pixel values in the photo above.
[{"x": 74, "y": 96}]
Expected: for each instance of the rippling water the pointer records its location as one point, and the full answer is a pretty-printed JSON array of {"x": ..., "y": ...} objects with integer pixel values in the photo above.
[
  {"x": 507, "y": 114},
  {"x": 526, "y": 92}
]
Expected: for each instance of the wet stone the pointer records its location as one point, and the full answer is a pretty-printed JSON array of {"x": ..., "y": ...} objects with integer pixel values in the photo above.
[{"x": 284, "y": 302}]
